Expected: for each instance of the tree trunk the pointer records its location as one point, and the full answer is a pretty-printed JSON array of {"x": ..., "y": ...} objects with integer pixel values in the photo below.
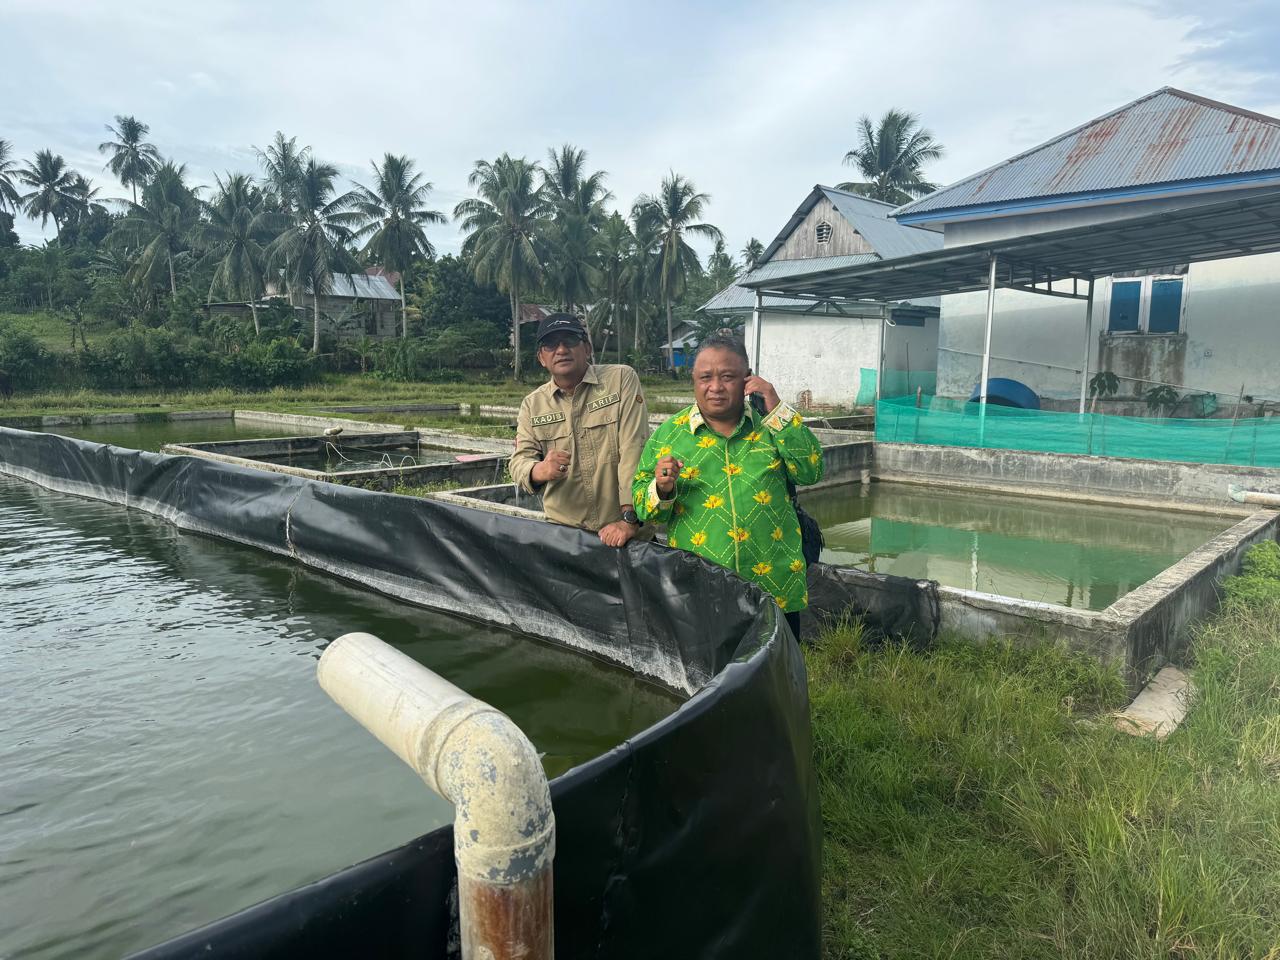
[
  {"x": 173, "y": 283},
  {"x": 404, "y": 318},
  {"x": 636, "y": 329},
  {"x": 515, "y": 332},
  {"x": 253, "y": 309},
  {"x": 617, "y": 330},
  {"x": 315, "y": 328},
  {"x": 671, "y": 347}
]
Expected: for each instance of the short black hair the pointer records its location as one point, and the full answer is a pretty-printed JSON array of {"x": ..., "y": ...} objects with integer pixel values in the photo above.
[{"x": 722, "y": 340}]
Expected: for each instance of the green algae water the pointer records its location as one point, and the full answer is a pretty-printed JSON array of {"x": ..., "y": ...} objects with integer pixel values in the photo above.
[
  {"x": 345, "y": 459},
  {"x": 1052, "y": 551},
  {"x": 152, "y": 435},
  {"x": 166, "y": 755}
]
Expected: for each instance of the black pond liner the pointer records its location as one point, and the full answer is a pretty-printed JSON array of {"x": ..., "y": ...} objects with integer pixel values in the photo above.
[{"x": 699, "y": 837}]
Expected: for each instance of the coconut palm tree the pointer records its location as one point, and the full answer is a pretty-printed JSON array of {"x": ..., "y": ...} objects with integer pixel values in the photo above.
[
  {"x": 505, "y": 225},
  {"x": 53, "y": 186},
  {"x": 890, "y": 156},
  {"x": 314, "y": 247},
  {"x": 10, "y": 200},
  {"x": 159, "y": 226},
  {"x": 283, "y": 163},
  {"x": 640, "y": 276},
  {"x": 233, "y": 237},
  {"x": 722, "y": 270},
  {"x": 614, "y": 248},
  {"x": 570, "y": 254},
  {"x": 570, "y": 189},
  {"x": 395, "y": 219},
  {"x": 673, "y": 212},
  {"x": 133, "y": 160},
  {"x": 84, "y": 201},
  {"x": 751, "y": 254}
]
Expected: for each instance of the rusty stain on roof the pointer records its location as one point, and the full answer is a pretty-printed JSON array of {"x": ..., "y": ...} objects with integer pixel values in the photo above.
[{"x": 1165, "y": 137}]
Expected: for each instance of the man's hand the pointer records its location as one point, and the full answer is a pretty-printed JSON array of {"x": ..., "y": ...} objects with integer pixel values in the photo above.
[
  {"x": 555, "y": 466},
  {"x": 763, "y": 387},
  {"x": 617, "y": 534},
  {"x": 665, "y": 473}
]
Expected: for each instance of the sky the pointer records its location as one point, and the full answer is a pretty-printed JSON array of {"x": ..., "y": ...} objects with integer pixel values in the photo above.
[{"x": 753, "y": 102}]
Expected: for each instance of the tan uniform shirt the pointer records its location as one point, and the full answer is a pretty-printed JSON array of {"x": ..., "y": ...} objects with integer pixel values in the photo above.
[{"x": 603, "y": 427}]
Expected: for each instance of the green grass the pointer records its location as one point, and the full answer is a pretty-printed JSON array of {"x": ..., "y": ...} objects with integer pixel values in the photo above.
[
  {"x": 351, "y": 388},
  {"x": 976, "y": 803}
]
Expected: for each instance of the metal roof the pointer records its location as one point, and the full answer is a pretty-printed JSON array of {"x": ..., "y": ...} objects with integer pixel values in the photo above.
[
  {"x": 736, "y": 298},
  {"x": 1165, "y": 137},
  {"x": 869, "y": 217},
  {"x": 363, "y": 286},
  {"x": 1231, "y": 228}
]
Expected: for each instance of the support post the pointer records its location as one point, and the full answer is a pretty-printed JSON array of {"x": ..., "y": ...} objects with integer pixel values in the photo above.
[
  {"x": 757, "y": 321},
  {"x": 475, "y": 757},
  {"x": 1088, "y": 345},
  {"x": 884, "y": 319},
  {"x": 986, "y": 350}
]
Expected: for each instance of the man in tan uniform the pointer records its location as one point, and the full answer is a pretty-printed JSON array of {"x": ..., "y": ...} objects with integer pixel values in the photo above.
[{"x": 579, "y": 435}]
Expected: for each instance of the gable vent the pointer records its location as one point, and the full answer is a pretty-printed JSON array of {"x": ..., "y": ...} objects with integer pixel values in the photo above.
[{"x": 823, "y": 232}]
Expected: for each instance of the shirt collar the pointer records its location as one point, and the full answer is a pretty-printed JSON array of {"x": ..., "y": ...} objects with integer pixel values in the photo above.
[
  {"x": 592, "y": 377},
  {"x": 748, "y": 416}
]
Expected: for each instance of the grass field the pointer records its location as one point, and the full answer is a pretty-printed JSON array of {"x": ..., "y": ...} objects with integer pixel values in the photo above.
[
  {"x": 977, "y": 804},
  {"x": 351, "y": 388}
]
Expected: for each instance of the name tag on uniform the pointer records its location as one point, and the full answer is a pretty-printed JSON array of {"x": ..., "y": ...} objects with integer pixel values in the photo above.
[
  {"x": 545, "y": 419},
  {"x": 602, "y": 402}
]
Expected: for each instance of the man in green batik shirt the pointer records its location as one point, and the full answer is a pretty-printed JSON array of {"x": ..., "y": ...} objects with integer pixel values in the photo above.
[{"x": 714, "y": 474}]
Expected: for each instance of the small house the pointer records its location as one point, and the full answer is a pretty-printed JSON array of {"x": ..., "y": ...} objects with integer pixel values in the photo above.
[{"x": 824, "y": 355}]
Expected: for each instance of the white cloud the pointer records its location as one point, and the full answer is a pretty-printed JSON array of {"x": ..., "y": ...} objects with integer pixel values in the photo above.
[{"x": 755, "y": 103}]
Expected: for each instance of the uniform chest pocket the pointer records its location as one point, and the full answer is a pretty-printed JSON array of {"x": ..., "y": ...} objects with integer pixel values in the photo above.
[
  {"x": 552, "y": 436},
  {"x": 600, "y": 429}
]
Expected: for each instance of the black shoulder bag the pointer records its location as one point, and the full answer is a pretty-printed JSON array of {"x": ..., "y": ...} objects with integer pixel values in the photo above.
[{"x": 811, "y": 541}]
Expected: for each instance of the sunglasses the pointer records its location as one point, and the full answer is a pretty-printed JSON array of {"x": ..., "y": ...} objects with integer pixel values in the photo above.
[{"x": 554, "y": 341}]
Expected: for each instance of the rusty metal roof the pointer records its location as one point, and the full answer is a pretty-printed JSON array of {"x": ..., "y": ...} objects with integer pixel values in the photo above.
[
  {"x": 1168, "y": 136},
  {"x": 1232, "y": 228}
]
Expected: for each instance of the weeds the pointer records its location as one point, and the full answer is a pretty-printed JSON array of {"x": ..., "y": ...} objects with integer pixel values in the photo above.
[{"x": 975, "y": 804}]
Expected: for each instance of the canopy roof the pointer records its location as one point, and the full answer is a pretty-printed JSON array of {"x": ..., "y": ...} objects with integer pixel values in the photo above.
[{"x": 1212, "y": 231}]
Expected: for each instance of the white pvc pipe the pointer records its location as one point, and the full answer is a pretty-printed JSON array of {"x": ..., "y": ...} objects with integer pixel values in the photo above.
[
  {"x": 1240, "y": 495},
  {"x": 479, "y": 760}
]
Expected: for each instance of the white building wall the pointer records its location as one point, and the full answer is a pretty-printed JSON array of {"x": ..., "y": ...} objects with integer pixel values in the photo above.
[
  {"x": 818, "y": 361},
  {"x": 1230, "y": 331}
]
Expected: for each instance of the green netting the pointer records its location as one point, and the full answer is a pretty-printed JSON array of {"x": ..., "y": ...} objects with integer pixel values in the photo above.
[
  {"x": 896, "y": 383},
  {"x": 957, "y": 423}
]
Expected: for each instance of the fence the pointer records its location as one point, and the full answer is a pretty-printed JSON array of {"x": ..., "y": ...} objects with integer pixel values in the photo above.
[{"x": 948, "y": 422}]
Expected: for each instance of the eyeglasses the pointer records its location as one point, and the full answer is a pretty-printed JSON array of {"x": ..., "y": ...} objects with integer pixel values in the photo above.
[{"x": 554, "y": 341}]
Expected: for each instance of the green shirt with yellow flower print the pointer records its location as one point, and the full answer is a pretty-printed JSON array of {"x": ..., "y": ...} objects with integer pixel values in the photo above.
[{"x": 730, "y": 502}]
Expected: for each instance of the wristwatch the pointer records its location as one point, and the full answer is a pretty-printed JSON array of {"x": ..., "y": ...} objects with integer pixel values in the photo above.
[{"x": 629, "y": 516}]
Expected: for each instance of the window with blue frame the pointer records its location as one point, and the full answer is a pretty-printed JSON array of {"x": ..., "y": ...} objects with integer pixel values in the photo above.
[
  {"x": 1126, "y": 306},
  {"x": 1150, "y": 305}
]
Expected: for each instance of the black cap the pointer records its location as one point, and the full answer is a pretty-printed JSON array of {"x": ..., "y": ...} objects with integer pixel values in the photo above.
[{"x": 560, "y": 323}]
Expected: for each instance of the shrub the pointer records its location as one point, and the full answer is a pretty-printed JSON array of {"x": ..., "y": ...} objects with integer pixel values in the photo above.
[{"x": 1259, "y": 579}]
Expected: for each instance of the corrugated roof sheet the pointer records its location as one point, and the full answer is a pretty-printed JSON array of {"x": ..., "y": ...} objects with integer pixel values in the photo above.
[
  {"x": 739, "y": 299},
  {"x": 1164, "y": 137},
  {"x": 735, "y": 299},
  {"x": 872, "y": 219},
  {"x": 363, "y": 286},
  {"x": 869, "y": 217}
]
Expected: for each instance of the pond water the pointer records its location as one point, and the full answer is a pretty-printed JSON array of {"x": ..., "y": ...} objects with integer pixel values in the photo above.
[
  {"x": 153, "y": 436},
  {"x": 345, "y": 459},
  {"x": 166, "y": 755},
  {"x": 1053, "y": 551}
]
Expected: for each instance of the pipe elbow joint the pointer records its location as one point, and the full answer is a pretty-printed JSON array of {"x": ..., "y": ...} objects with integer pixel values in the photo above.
[{"x": 478, "y": 759}]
